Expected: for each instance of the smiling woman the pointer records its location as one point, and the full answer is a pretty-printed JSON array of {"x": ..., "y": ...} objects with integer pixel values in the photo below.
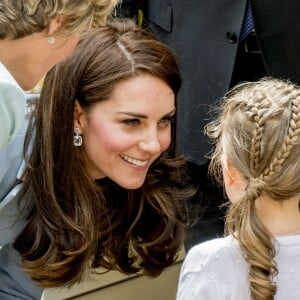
[
  {"x": 124, "y": 135},
  {"x": 103, "y": 181}
]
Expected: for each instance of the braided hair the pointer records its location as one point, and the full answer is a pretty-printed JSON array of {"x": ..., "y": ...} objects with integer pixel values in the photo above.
[{"x": 258, "y": 132}]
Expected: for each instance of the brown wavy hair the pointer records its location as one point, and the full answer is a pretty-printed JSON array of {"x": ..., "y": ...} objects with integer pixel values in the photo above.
[
  {"x": 258, "y": 132},
  {"x": 76, "y": 223}
]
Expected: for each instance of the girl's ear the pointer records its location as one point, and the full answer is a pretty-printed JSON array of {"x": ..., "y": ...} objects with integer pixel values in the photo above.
[
  {"x": 55, "y": 25},
  {"x": 233, "y": 176},
  {"x": 79, "y": 117},
  {"x": 234, "y": 181},
  {"x": 225, "y": 171}
]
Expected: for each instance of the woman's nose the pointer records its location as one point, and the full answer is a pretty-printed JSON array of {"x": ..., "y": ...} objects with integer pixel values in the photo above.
[{"x": 150, "y": 143}]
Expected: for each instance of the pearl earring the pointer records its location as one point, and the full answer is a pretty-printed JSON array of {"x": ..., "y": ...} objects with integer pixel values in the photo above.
[
  {"x": 77, "y": 140},
  {"x": 51, "y": 40}
]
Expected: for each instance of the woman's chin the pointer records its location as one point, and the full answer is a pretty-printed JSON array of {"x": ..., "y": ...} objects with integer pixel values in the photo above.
[{"x": 131, "y": 185}]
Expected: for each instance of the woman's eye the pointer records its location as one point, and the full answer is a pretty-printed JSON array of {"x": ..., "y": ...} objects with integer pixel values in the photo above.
[
  {"x": 165, "y": 122},
  {"x": 131, "y": 122}
]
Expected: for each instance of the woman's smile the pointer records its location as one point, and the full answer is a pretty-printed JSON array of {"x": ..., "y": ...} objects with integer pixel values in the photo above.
[
  {"x": 134, "y": 161},
  {"x": 126, "y": 133}
]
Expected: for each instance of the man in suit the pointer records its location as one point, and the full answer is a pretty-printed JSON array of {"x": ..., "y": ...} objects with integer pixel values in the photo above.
[{"x": 213, "y": 56}]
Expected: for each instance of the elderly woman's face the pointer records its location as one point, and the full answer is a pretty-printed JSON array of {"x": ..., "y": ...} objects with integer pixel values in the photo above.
[{"x": 125, "y": 134}]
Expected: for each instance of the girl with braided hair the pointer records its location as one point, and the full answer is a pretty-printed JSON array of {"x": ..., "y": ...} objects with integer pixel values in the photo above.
[{"x": 257, "y": 137}]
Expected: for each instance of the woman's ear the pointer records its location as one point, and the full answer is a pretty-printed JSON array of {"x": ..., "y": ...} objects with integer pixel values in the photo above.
[
  {"x": 55, "y": 25},
  {"x": 79, "y": 117}
]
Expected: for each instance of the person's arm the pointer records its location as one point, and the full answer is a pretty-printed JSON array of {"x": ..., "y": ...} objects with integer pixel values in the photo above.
[
  {"x": 12, "y": 111},
  {"x": 15, "y": 284},
  {"x": 12, "y": 215}
]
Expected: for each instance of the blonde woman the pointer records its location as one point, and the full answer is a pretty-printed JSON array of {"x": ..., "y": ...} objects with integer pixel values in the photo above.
[
  {"x": 257, "y": 139},
  {"x": 34, "y": 36}
]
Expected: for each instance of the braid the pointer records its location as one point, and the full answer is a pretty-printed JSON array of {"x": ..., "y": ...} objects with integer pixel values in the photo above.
[
  {"x": 290, "y": 140},
  {"x": 255, "y": 113},
  {"x": 255, "y": 241},
  {"x": 261, "y": 259},
  {"x": 256, "y": 244},
  {"x": 251, "y": 115}
]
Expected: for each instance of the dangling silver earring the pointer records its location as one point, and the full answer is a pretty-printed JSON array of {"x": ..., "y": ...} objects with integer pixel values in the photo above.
[
  {"x": 77, "y": 138},
  {"x": 51, "y": 40}
]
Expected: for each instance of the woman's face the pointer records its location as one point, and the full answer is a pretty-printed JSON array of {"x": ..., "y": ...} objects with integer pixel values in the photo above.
[{"x": 125, "y": 134}]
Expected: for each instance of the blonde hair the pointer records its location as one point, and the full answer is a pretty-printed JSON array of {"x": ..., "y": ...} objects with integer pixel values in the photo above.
[
  {"x": 20, "y": 18},
  {"x": 258, "y": 132}
]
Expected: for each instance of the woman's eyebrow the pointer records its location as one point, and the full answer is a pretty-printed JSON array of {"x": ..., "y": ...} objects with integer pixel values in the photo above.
[
  {"x": 133, "y": 114},
  {"x": 142, "y": 116},
  {"x": 170, "y": 113}
]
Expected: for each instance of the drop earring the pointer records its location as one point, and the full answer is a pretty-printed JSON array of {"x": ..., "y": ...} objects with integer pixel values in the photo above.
[
  {"x": 51, "y": 40},
  {"x": 77, "y": 140}
]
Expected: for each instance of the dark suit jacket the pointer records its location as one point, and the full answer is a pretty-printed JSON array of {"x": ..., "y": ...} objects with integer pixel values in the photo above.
[{"x": 204, "y": 35}]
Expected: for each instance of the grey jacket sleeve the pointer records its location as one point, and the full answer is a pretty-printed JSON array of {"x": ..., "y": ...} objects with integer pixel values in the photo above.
[{"x": 15, "y": 284}]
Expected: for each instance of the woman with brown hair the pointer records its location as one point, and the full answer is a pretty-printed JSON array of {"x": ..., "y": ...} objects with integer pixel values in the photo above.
[{"x": 103, "y": 185}]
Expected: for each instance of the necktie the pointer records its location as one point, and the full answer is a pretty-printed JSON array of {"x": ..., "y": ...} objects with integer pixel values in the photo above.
[{"x": 248, "y": 24}]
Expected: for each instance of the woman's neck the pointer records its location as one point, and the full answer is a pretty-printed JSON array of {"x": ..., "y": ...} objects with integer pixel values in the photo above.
[{"x": 24, "y": 61}]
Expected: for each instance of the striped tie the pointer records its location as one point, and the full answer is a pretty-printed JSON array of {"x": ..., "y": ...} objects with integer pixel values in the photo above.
[{"x": 248, "y": 24}]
